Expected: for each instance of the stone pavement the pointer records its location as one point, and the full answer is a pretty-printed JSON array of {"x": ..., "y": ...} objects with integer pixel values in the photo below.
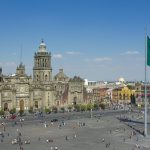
[{"x": 79, "y": 134}]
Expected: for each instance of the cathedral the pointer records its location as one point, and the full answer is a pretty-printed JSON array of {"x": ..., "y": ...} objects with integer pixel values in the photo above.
[{"x": 41, "y": 90}]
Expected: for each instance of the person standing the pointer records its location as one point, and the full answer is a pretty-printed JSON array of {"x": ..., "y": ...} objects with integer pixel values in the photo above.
[
  {"x": 66, "y": 138},
  {"x": 75, "y": 136}
]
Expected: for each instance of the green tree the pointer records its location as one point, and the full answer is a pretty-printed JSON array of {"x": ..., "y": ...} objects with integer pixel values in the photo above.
[
  {"x": 54, "y": 109},
  {"x": 102, "y": 106},
  {"x": 132, "y": 99},
  {"x": 47, "y": 110},
  {"x": 70, "y": 107},
  {"x": 77, "y": 107},
  {"x": 83, "y": 107},
  {"x": 30, "y": 110},
  {"x": 96, "y": 106},
  {"x": 12, "y": 111},
  {"x": 2, "y": 112},
  {"x": 89, "y": 106},
  {"x": 62, "y": 109},
  {"x": 21, "y": 112}
]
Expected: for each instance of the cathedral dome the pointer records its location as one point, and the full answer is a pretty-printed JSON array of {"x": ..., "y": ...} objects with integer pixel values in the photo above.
[
  {"x": 121, "y": 80},
  {"x": 42, "y": 47},
  {"x": 60, "y": 76},
  {"x": 42, "y": 43}
]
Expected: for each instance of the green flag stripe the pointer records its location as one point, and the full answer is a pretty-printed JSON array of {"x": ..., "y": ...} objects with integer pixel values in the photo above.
[{"x": 148, "y": 51}]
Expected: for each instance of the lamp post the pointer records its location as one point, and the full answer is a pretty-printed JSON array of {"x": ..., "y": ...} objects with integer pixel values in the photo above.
[
  {"x": 91, "y": 110},
  {"x": 92, "y": 106},
  {"x": 92, "y": 100}
]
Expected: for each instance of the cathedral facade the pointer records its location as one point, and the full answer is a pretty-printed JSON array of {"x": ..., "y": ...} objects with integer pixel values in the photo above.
[{"x": 41, "y": 91}]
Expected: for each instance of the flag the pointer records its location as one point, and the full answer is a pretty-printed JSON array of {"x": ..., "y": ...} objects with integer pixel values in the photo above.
[{"x": 148, "y": 51}]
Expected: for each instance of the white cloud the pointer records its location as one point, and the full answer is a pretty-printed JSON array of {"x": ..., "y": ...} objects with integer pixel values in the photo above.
[
  {"x": 130, "y": 53},
  {"x": 57, "y": 56},
  {"x": 102, "y": 59},
  {"x": 73, "y": 53}
]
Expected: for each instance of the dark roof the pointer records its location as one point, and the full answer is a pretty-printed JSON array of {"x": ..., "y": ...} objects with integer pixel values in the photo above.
[{"x": 76, "y": 79}]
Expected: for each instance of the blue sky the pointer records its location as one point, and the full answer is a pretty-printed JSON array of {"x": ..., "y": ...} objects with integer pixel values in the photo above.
[{"x": 94, "y": 39}]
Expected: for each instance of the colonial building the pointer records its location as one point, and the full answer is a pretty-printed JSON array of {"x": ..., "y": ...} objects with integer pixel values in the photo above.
[
  {"x": 23, "y": 92},
  {"x": 122, "y": 95},
  {"x": 140, "y": 93}
]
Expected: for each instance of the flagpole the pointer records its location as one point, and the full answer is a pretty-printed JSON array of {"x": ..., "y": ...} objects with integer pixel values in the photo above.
[{"x": 145, "y": 116}]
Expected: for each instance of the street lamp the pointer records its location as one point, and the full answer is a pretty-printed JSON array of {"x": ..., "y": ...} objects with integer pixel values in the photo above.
[
  {"x": 91, "y": 101},
  {"x": 91, "y": 109}
]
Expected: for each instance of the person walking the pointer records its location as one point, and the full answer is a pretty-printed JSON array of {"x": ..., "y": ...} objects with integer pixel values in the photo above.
[
  {"x": 66, "y": 138},
  {"x": 75, "y": 136}
]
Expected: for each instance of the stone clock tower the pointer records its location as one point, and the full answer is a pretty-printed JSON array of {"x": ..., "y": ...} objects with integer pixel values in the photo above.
[{"x": 42, "y": 70}]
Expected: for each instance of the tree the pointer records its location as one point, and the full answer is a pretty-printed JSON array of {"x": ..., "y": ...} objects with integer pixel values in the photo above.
[
  {"x": 31, "y": 110},
  {"x": 70, "y": 107},
  {"x": 96, "y": 106},
  {"x": 83, "y": 107},
  {"x": 54, "y": 109},
  {"x": 62, "y": 109},
  {"x": 132, "y": 97},
  {"x": 89, "y": 106},
  {"x": 21, "y": 112},
  {"x": 12, "y": 111},
  {"x": 77, "y": 107},
  {"x": 102, "y": 106},
  {"x": 47, "y": 110},
  {"x": 2, "y": 112}
]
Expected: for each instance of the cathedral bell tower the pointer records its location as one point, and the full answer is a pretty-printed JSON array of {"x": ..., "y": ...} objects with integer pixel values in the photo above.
[
  {"x": 42, "y": 70},
  {"x": 20, "y": 71}
]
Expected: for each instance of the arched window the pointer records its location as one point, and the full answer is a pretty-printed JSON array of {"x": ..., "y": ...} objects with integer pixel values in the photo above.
[
  {"x": 37, "y": 77},
  {"x": 5, "y": 106},
  {"x": 75, "y": 100},
  {"x": 36, "y": 104}
]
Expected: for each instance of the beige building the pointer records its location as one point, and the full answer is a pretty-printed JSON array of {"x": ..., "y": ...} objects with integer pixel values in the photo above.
[{"x": 23, "y": 92}]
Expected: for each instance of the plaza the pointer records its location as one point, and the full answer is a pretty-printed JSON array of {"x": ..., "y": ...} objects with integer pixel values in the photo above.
[{"x": 72, "y": 133}]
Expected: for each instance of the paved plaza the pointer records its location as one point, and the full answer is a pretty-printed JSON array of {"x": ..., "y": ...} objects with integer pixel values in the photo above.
[{"x": 106, "y": 132}]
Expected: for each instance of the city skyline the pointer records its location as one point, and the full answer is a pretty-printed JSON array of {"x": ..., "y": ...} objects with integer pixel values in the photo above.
[{"x": 93, "y": 39}]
